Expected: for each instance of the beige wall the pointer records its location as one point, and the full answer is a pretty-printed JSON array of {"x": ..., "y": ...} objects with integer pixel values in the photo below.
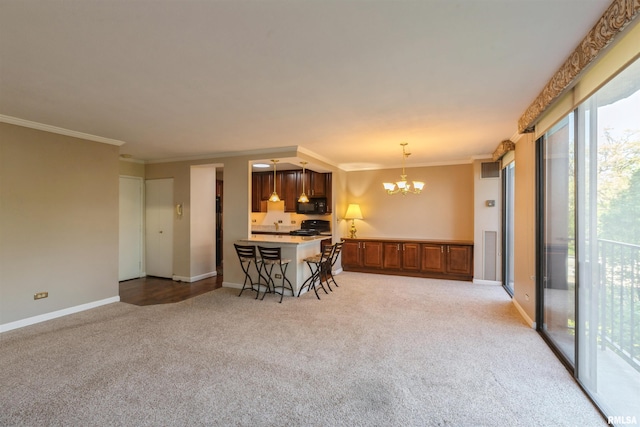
[
  {"x": 524, "y": 228},
  {"x": 486, "y": 218},
  {"x": 131, "y": 168},
  {"x": 58, "y": 222},
  {"x": 203, "y": 222},
  {"x": 444, "y": 209}
]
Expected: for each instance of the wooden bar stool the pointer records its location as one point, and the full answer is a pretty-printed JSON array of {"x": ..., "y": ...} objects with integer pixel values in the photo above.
[{"x": 270, "y": 258}]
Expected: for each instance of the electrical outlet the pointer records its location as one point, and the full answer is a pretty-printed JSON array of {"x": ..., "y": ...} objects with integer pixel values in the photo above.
[
  {"x": 41, "y": 295},
  {"x": 279, "y": 221},
  {"x": 293, "y": 221},
  {"x": 278, "y": 276}
]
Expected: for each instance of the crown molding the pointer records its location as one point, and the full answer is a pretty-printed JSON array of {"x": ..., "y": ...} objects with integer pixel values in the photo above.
[
  {"x": 259, "y": 152},
  {"x": 61, "y": 131}
]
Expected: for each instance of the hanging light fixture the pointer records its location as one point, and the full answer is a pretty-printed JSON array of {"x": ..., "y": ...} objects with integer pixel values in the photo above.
[
  {"x": 274, "y": 196},
  {"x": 303, "y": 197},
  {"x": 402, "y": 186}
]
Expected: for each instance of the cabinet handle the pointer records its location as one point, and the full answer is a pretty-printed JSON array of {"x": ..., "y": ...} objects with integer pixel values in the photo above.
[
  {"x": 448, "y": 249},
  {"x": 441, "y": 249},
  {"x": 398, "y": 246},
  {"x": 364, "y": 245}
]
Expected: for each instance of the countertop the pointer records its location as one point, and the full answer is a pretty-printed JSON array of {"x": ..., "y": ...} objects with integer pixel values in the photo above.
[{"x": 283, "y": 239}]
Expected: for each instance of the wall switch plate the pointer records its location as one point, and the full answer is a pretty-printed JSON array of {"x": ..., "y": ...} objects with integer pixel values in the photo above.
[{"x": 41, "y": 295}]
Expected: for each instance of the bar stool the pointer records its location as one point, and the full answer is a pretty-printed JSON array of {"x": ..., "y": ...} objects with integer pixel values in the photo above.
[
  {"x": 318, "y": 265},
  {"x": 337, "y": 248},
  {"x": 247, "y": 256},
  {"x": 272, "y": 257}
]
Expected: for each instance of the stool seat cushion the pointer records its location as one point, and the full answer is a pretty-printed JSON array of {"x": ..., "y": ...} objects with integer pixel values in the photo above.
[{"x": 276, "y": 261}]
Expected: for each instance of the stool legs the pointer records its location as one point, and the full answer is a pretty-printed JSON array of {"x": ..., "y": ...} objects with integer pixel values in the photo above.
[
  {"x": 285, "y": 281},
  {"x": 315, "y": 277}
]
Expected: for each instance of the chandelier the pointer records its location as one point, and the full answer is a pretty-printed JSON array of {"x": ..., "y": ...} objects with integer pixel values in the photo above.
[{"x": 403, "y": 187}]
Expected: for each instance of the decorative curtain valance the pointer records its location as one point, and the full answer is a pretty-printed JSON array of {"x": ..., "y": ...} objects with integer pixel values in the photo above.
[
  {"x": 616, "y": 18},
  {"x": 503, "y": 148}
]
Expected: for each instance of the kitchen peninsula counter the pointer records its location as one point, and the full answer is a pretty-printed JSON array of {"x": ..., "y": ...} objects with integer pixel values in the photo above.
[
  {"x": 285, "y": 239},
  {"x": 294, "y": 248}
]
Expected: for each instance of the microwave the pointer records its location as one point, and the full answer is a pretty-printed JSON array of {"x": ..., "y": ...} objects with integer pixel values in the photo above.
[{"x": 315, "y": 206}]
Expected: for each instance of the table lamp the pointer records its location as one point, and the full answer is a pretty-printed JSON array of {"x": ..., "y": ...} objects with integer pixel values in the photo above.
[{"x": 353, "y": 213}]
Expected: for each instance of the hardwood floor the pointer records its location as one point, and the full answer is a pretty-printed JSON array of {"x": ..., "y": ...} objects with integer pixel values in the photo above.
[{"x": 157, "y": 290}]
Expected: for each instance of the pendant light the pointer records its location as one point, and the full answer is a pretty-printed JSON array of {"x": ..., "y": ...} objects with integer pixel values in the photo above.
[
  {"x": 274, "y": 196},
  {"x": 303, "y": 197}
]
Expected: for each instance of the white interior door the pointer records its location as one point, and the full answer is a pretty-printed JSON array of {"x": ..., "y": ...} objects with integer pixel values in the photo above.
[
  {"x": 130, "y": 235},
  {"x": 159, "y": 227}
]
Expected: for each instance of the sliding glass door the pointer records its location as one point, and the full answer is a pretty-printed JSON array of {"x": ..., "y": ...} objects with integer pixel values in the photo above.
[
  {"x": 508, "y": 221},
  {"x": 589, "y": 244}
]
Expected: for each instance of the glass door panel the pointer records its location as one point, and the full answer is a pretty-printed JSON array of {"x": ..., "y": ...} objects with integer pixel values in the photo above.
[
  {"x": 558, "y": 238},
  {"x": 609, "y": 245},
  {"x": 508, "y": 205}
]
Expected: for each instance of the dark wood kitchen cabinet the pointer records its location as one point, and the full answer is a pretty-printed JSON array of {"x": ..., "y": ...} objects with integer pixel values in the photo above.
[
  {"x": 261, "y": 189},
  {"x": 318, "y": 184},
  {"x": 289, "y": 187},
  {"x": 436, "y": 259}
]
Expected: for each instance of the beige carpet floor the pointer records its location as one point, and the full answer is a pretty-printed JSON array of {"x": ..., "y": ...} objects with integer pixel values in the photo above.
[{"x": 378, "y": 351}]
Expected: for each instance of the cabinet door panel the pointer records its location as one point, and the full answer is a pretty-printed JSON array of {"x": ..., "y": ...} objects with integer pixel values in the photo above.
[
  {"x": 432, "y": 258},
  {"x": 411, "y": 256},
  {"x": 459, "y": 259},
  {"x": 392, "y": 256},
  {"x": 372, "y": 254},
  {"x": 350, "y": 254},
  {"x": 289, "y": 185},
  {"x": 266, "y": 185},
  {"x": 317, "y": 184},
  {"x": 256, "y": 192}
]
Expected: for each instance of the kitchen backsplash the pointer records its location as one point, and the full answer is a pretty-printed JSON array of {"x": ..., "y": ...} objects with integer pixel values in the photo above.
[{"x": 264, "y": 221}]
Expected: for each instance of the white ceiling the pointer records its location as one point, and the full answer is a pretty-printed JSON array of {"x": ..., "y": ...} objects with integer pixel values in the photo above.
[{"x": 347, "y": 80}]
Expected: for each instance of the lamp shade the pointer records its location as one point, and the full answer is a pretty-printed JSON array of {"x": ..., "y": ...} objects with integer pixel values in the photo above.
[{"x": 353, "y": 212}]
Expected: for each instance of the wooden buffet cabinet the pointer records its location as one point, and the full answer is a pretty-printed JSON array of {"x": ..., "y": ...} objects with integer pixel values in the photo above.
[{"x": 421, "y": 258}]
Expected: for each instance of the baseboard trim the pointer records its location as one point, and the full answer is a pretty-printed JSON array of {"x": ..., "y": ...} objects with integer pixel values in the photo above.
[
  {"x": 231, "y": 285},
  {"x": 524, "y": 314},
  {"x": 486, "y": 282},
  {"x": 194, "y": 278},
  {"x": 55, "y": 314}
]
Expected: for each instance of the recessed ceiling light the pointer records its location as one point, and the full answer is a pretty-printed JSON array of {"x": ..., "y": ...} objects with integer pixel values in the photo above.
[{"x": 261, "y": 165}]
